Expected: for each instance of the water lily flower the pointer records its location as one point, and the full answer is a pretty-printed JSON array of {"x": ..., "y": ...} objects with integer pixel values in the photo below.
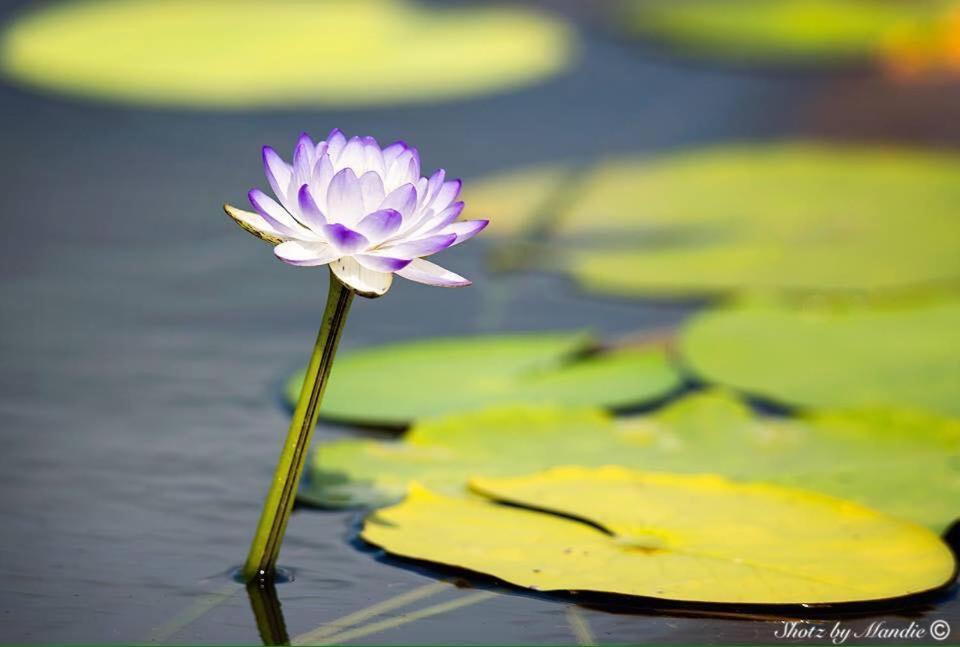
[
  {"x": 368, "y": 214},
  {"x": 364, "y": 211}
]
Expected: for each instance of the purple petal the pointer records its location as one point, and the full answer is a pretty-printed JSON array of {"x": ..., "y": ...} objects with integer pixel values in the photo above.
[
  {"x": 380, "y": 224},
  {"x": 344, "y": 239},
  {"x": 403, "y": 199},
  {"x": 274, "y": 214},
  {"x": 295, "y": 252},
  {"x": 277, "y": 171},
  {"x": 381, "y": 263},
  {"x": 422, "y": 247},
  {"x": 423, "y": 271},
  {"x": 308, "y": 208},
  {"x": 344, "y": 198}
]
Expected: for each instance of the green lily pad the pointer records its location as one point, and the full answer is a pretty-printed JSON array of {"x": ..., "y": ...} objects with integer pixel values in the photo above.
[
  {"x": 906, "y": 463},
  {"x": 794, "y": 218},
  {"x": 245, "y": 53},
  {"x": 393, "y": 385},
  {"x": 781, "y": 31},
  {"x": 833, "y": 357}
]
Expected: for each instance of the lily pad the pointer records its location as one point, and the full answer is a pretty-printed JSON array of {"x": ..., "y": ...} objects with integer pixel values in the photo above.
[
  {"x": 781, "y": 31},
  {"x": 393, "y": 385},
  {"x": 905, "y": 463},
  {"x": 689, "y": 538},
  {"x": 244, "y": 53},
  {"x": 786, "y": 218},
  {"x": 833, "y": 357}
]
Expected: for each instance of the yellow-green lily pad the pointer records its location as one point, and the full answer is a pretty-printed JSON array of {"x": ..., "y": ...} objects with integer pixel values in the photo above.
[
  {"x": 781, "y": 31},
  {"x": 906, "y": 463},
  {"x": 395, "y": 384},
  {"x": 247, "y": 53},
  {"x": 689, "y": 538},
  {"x": 833, "y": 357},
  {"x": 795, "y": 218}
]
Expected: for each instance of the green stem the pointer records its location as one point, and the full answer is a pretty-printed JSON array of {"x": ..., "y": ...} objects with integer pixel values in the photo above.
[{"x": 262, "y": 559}]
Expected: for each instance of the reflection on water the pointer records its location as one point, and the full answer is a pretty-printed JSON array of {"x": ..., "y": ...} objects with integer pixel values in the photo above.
[{"x": 267, "y": 612}]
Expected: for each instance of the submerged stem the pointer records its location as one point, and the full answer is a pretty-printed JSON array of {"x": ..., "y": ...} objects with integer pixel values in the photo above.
[{"x": 262, "y": 559}]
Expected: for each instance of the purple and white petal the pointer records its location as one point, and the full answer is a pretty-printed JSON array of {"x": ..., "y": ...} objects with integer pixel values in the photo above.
[
  {"x": 277, "y": 216},
  {"x": 422, "y": 247},
  {"x": 402, "y": 199},
  {"x": 309, "y": 210},
  {"x": 277, "y": 171},
  {"x": 373, "y": 156},
  {"x": 434, "y": 184},
  {"x": 255, "y": 224},
  {"x": 423, "y": 271},
  {"x": 336, "y": 141},
  {"x": 446, "y": 194},
  {"x": 465, "y": 229},
  {"x": 320, "y": 183},
  {"x": 303, "y": 159},
  {"x": 371, "y": 188},
  {"x": 399, "y": 170},
  {"x": 320, "y": 150},
  {"x": 344, "y": 198},
  {"x": 413, "y": 168},
  {"x": 365, "y": 282},
  {"x": 435, "y": 223},
  {"x": 352, "y": 156},
  {"x": 344, "y": 239},
  {"x": 381, "y": 263},
  {"x": 391, "y": 152},
  {"x": 378, "y": 225},
  {"x": 310, "y": 254}
]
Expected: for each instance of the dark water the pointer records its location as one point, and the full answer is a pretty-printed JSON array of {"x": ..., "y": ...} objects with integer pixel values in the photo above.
[{"x": 144, "y": 338}]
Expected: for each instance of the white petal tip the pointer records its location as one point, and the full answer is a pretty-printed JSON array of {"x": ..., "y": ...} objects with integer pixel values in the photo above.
[
  {"x": 253, "y": 223},
  {"x": 423, "y": 271}
]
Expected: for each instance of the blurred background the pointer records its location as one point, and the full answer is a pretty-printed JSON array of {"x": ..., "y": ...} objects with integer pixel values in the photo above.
[{"x": 145, "y": 338}]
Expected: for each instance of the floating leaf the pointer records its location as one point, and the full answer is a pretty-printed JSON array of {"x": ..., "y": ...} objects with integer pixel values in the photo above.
[
  {"x": 691, "y": 538},
  {"x": 781, "y": 31},
  {"x": 241, "y": 53},
  {"x": 825, "y": 357},
  {"x": 442, "y": 452},
  {"x": 393, "y": 385},
  {"x": 901, "y": 462},
  {"x": 796, "y": 217}
]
